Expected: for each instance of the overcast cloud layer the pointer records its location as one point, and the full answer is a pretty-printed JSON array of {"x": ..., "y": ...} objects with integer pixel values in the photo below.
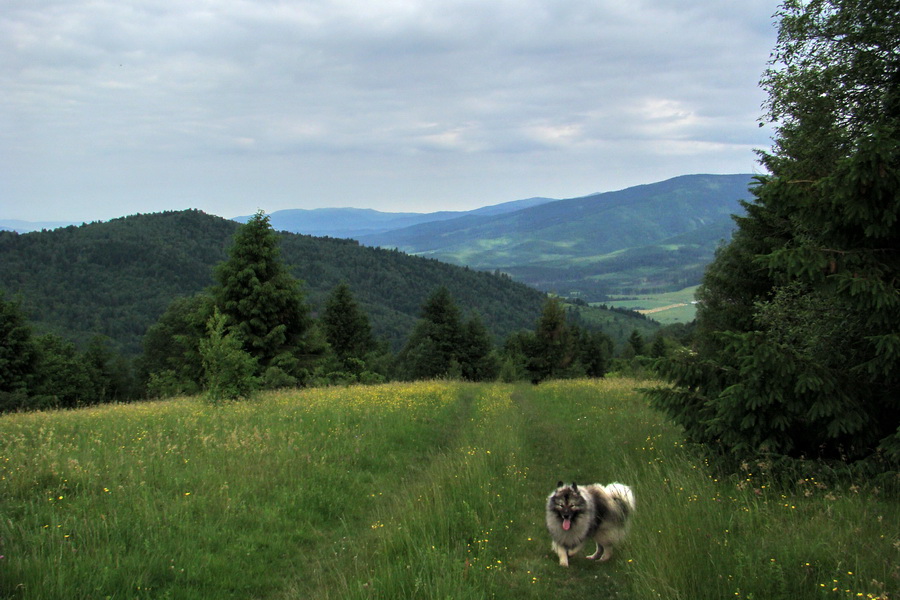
[{"x": 113, "y": 107}]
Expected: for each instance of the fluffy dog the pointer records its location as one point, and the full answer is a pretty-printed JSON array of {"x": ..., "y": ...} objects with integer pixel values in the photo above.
[{"x": 576, "y": 514}]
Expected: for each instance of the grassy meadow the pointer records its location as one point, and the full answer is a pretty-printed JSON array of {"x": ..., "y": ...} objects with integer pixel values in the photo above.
[
  {"x": 425, "y": 490},
  {"x": 665, "y": 308}
]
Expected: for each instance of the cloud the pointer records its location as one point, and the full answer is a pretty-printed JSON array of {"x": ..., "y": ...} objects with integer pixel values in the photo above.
[{"x": 104, "y": 96}]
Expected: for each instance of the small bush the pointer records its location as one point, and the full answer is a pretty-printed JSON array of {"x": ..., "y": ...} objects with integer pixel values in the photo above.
[{"x": 228, "y": 369}]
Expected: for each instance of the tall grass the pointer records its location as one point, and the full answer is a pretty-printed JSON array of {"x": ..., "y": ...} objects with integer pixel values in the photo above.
[{"x": 428, "y": 490}]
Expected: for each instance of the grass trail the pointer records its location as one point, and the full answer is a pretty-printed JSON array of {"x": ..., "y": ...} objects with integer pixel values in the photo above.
[{"x": 427, "y": 490}]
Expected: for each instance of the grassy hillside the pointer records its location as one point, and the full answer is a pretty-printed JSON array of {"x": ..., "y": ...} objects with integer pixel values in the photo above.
[
  {"x": 651, "y": 237},
  {"x": 666, "y": 308},
  {"x": 428, "y": 490}
]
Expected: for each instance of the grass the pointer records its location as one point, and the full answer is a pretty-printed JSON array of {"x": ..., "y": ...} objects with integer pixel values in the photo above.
[
  {"x": 427, "y": 490},
  {"x": 677, "y": 307}
]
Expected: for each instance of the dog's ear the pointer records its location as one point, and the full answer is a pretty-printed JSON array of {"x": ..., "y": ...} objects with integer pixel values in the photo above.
[
  {"x": 560, "y": 484},
  {"x": 574, "y": 486}
]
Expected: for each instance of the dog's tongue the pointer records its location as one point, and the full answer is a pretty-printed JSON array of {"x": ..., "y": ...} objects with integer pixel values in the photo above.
[{"x": 567, "y": 524}]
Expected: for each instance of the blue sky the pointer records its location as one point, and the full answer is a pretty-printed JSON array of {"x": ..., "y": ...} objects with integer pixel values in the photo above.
[{"x": 113, "y": 107}]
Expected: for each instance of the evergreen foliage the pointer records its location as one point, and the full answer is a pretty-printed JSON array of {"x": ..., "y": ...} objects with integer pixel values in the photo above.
[
  {"x": 48, "y": 371},
  {"x": 435, "y": 344},
  {"x": 553, "y": 350},
  {"x": 112, "y": 279},
  {"x": 263, "y": 304},
  {"x": 798, "y": 340},
  {"x": 116, "y": 278},
  {"x": 354, "y": 354},
  {"x": 346, "y": 326},
  {"x": 556, "y": 349},
  {"x": 171, "y": 361},
  {"x": 478, "y": 360},
  {"x": 442, "y": 345},
  {"x": 17, "y": 352},
  {"x": 636, "y": 342},
  {"x": 228, "y": 370}
]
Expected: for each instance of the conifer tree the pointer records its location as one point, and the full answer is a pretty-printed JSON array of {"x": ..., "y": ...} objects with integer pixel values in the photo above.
[
  {"x": 17, "y": 352},
  {"x": 264, "y": 305},
  {"x": 798, "y": 331},
  {"x": 636, "y": 341},
  {"x": 553, "y": 350},
  {"x": 477, "y": 359},
  {"x": 435, "y": 344},
  {"x": 594, "y": 351},
  {"x": 171, "y": 362},
  {"x": 346, "y": 326}
]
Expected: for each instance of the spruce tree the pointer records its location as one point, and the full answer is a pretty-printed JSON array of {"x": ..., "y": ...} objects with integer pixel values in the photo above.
[
  {"x": 595, "y": 350},
  {"x": 553, "y": 351},
  {"x": 636, "y": 341},
  {"x": 346, "y": 326},
  {"x": 477, "y": 359},
  {"x": 798, "y": 327},
  {"x": 435, "y": 344},
  {"x": 18, "y": 355},
  {"x": 264, "y": 305}
]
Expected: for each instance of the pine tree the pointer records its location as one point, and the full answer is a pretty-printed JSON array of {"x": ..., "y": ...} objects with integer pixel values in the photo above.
[
  {"x": 435, "y": 344},
  {"x": 553, "y": 350},
  {"x": 17, "y": 351},
  {"x": 477, "y": 359},
  {"x": 799, "y": 343},
  {"x": 263, "y": 304},
  {"x": 346, "y": 326}
]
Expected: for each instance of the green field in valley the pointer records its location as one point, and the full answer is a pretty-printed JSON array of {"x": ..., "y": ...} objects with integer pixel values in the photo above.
[
  {"x": 424, "y": 490},
  {"x": 666, "y": 308}
]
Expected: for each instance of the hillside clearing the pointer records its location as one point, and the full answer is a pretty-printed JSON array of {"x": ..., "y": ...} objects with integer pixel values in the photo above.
[{"x": 427, "y": 490}]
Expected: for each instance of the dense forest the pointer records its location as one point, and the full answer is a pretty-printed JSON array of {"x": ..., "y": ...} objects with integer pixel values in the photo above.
[
  {"x": 179, "y": 302},
  {"x": 116, "y": 278}
]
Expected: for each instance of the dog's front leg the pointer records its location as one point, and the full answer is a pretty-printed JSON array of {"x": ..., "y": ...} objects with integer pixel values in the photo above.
[{"x": 563, "y": 555}]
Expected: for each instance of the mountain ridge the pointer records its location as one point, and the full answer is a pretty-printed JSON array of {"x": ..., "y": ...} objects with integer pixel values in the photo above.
[
  {"x": 648, "y": 238},
  {"x": 352, "y": 223},
  {"x": 683, "y": 219}
]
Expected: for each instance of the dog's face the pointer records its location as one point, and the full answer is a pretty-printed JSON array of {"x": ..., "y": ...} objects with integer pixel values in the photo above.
[{"x": 568, "y": 503}]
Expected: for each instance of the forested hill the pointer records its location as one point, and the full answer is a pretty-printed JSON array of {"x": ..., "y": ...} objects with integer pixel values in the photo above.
[{"x": 116, "y": 278}]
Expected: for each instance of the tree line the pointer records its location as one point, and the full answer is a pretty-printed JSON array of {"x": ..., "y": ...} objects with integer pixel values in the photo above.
[
  {"x": 116, "y": 278},
  {"x": 254, "y": 329},
  {"x": 797, "y": 348}
]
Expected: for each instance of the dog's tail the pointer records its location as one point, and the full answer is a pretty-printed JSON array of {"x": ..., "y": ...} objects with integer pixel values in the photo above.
[{"x": 622, "y": 494}]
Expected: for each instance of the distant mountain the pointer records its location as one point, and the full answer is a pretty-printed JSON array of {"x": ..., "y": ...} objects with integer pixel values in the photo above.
[
  {"x": 28, "y": 226},
  {"x": 354, "y": 223},
  {"x": 654, "y": 237}
]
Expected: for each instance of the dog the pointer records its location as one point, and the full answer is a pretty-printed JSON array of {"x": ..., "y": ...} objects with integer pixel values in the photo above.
[{"x": 576, "y": 514}]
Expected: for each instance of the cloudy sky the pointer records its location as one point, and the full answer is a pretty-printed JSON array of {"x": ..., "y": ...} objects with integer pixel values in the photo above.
[{"x": 113, "y": 107}]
